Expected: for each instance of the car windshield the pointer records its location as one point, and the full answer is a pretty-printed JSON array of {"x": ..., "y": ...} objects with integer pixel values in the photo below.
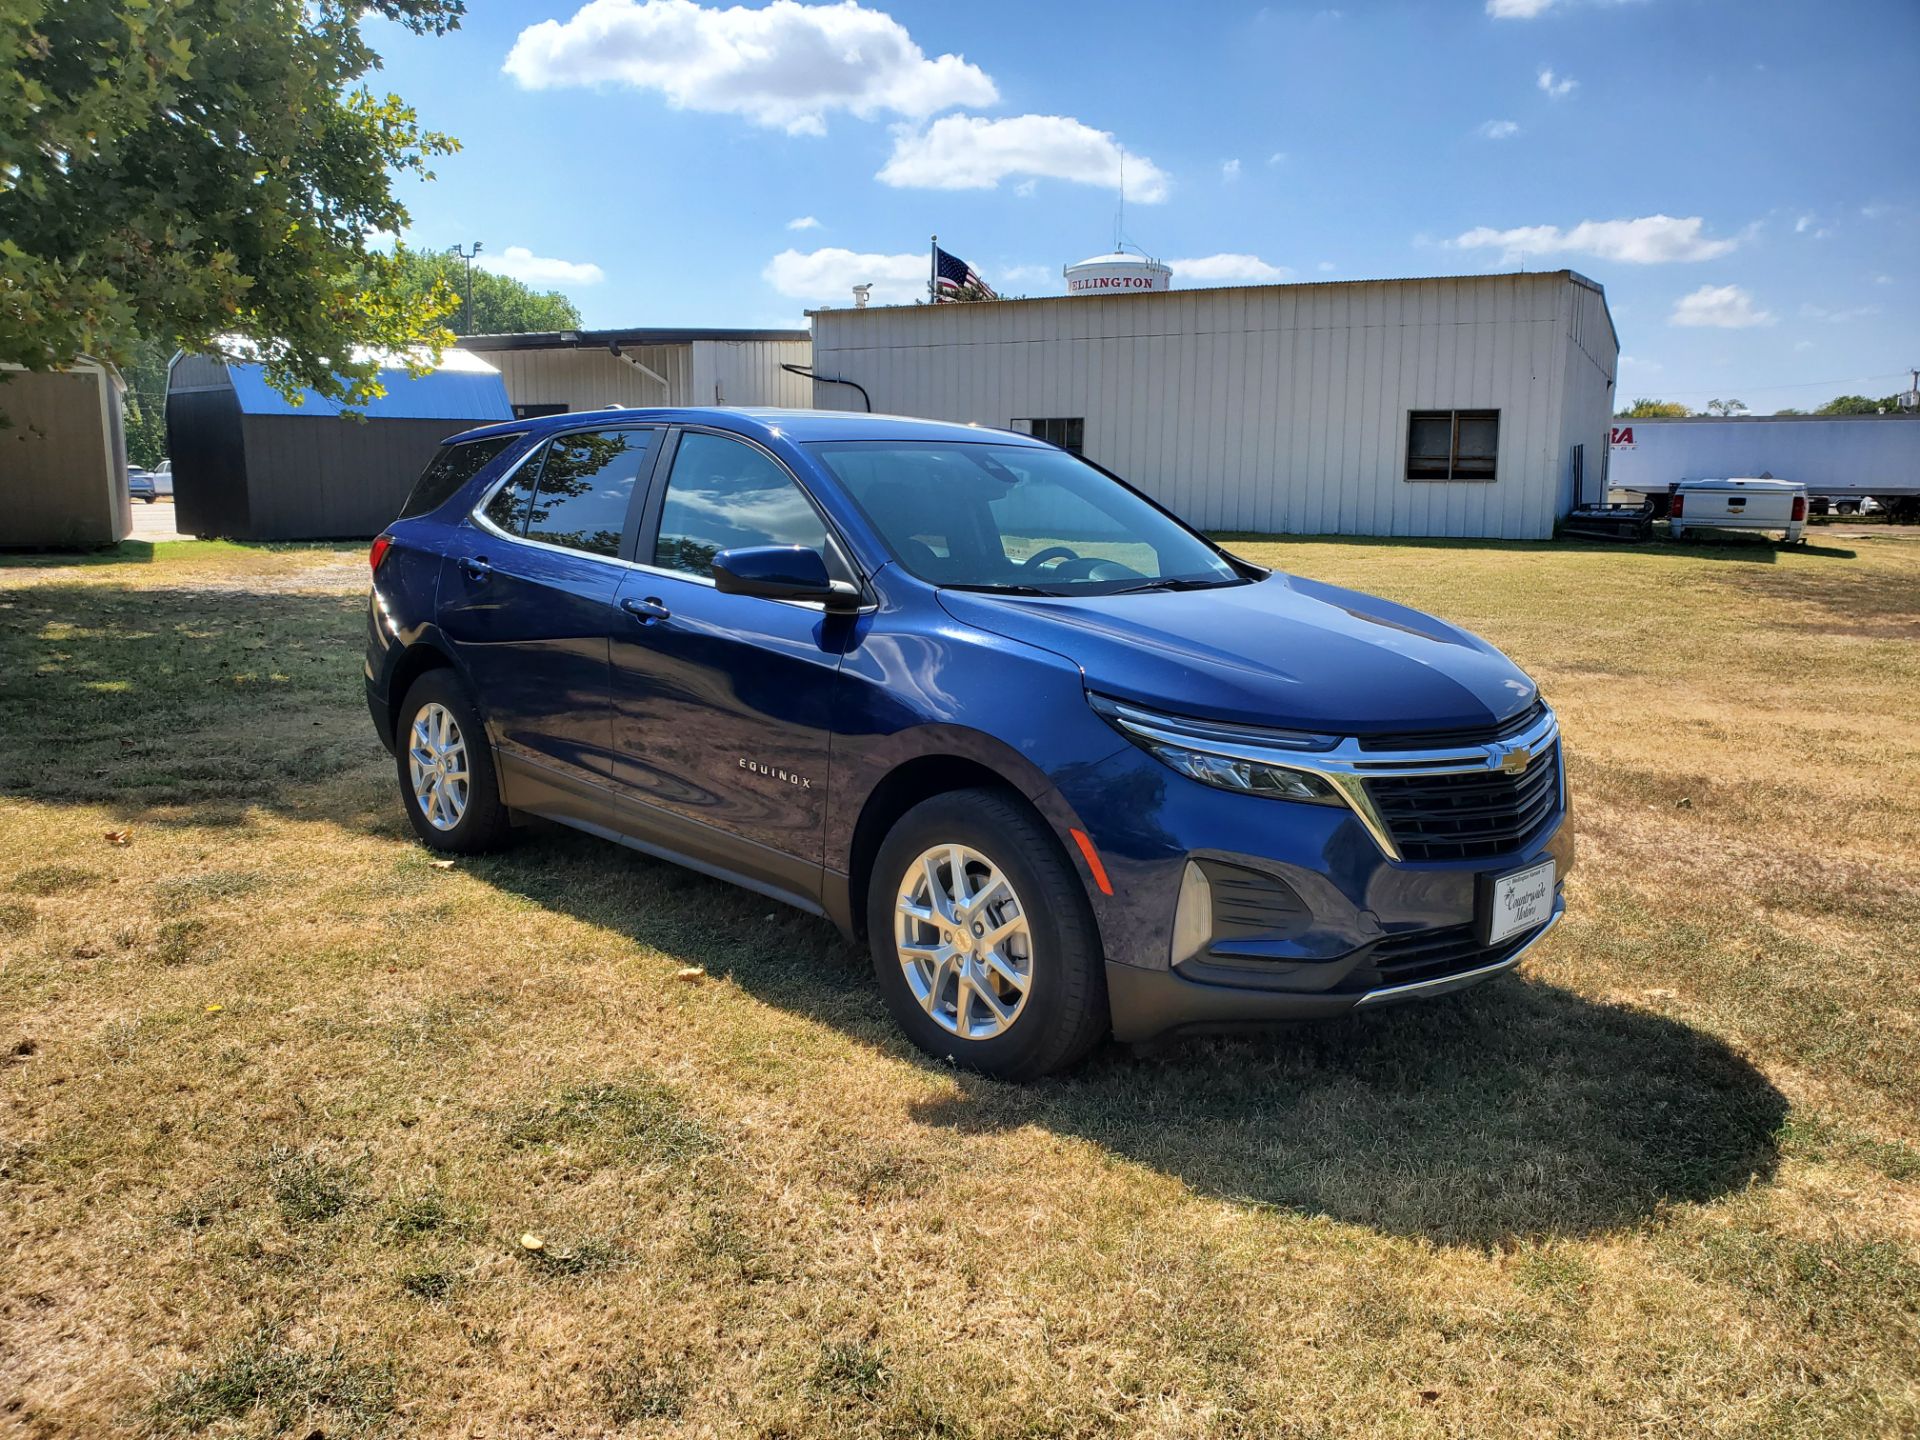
[{"x": 1021, "y": 519}]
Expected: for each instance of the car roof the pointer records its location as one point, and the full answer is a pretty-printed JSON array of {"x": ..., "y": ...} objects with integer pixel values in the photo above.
[{"x": 763, "y": 424}]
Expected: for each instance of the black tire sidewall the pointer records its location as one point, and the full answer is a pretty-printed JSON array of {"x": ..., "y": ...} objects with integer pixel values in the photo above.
[
  {"x": 484, "y": 824},
  {"x": 1067, "y": 974}
]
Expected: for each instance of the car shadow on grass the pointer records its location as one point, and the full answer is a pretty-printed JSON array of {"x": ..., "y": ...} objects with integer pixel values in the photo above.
[{"x": 1519, "y": 1109}]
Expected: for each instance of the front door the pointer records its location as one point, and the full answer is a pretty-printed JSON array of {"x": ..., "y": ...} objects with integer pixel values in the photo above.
[
  {"x": 722, "y": 704},
  {"x": 527, "y": 599}
]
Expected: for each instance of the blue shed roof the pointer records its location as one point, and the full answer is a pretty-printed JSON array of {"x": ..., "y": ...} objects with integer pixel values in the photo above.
[{"x": 463, "y": 387}]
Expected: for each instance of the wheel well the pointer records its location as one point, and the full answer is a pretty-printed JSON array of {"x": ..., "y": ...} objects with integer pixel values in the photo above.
[
  {"x": 414, "y": 662},
  {"x": 899, "y": 792}
]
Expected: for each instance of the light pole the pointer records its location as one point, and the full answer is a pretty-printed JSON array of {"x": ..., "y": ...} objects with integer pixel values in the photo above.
[{"x": 469, "y": 256}]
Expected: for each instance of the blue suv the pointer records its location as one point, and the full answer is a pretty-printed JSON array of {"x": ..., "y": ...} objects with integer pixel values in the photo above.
[{"x": 1068, "y": 767}]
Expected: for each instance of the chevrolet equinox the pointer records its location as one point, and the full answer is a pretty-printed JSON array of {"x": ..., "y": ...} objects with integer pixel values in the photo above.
[{"x": 1067, "y": 766}]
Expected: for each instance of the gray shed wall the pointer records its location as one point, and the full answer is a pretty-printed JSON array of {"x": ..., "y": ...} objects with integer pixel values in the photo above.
[{"x": 63, "y": 459}]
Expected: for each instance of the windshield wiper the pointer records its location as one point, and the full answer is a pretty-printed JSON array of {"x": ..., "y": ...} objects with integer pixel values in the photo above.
[
  {"x": 1008, "y": 590},
  {"x": 1171, "y": 582}
]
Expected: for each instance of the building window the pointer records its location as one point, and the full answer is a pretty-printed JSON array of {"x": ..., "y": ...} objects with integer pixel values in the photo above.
[
  {"x": 1452, "y": 444},
  {"x": 534, "y": 411},
  {"x": 1069, "y": 433}
]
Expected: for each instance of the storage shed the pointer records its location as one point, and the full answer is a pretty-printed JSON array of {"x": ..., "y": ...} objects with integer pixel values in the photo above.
[
  {"x": 248, "y": 464},
  {"x": 63, "y": 457},
  {"x": 1474, "y": 405},
  {"x": 565, "y": 370}
]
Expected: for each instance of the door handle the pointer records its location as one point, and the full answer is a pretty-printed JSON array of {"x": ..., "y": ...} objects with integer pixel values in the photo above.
[
  {"x": 645, "y": 611},
  {"x": 476, "y": 567}
]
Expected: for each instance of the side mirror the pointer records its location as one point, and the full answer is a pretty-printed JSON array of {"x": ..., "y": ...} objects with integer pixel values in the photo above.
[{"x": 782, "y": 572}]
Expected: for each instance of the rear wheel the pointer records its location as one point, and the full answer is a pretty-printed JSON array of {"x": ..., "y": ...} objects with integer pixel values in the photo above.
[
  {"x": 983, "y": 942},
  {"x": 446, "y": 768}
]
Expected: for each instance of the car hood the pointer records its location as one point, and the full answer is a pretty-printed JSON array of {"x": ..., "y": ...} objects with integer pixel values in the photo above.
[{"x": 1282, "y": 651}]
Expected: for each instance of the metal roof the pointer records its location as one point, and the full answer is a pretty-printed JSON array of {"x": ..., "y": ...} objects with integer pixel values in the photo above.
[
  {"x": 462, "y": 387},
  {"x": 767, "y": 422},
  {"x": 602, "y": 339}
]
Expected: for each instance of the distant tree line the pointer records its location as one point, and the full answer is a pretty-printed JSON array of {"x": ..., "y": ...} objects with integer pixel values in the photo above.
[{"x": 1839, "y": 405}]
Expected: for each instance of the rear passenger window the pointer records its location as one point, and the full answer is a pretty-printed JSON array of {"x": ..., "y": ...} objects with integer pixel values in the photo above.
[
  {"x": 586, "y": 483},
  {"x": 725, "y": 494},
  {"x": 451, "y": 467}
]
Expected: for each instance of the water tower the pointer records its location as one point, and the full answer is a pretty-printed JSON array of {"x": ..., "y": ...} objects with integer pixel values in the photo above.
[{"x": 1120, "y": 273}]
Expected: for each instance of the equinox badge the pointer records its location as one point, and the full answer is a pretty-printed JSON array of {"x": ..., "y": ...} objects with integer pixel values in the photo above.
[{"x": 785, "y": 777}]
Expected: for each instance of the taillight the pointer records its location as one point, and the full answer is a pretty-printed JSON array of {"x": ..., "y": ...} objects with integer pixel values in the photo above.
[
  {"x": 381, "y": 544},
  {"x": 1799, "y": 507},
  {"x": 1677, "y": 508}
]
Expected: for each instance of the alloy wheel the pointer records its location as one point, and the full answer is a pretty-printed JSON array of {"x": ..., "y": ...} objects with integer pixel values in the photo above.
[
  {"x": 437, "y": 766},
  {"x": 964, "y": 943}
]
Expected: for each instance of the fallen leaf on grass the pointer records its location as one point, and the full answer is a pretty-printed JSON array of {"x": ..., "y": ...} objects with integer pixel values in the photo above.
[
  {"x": 441, "y": 864},
  {"x": 531, "y": 1241},
  {"x": 691, "y": 974},
  {"x": 118, "y": 837},
  {"x": 1427, "y": 1397},
  {"x": 215, "y": 1008}
]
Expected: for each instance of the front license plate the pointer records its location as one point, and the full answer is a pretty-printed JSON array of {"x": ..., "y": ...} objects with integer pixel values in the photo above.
[{"x": 1519, "y": 902}]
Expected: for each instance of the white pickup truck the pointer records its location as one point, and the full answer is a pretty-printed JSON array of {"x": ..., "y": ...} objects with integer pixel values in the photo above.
[{"x": 1740, "y": 505}]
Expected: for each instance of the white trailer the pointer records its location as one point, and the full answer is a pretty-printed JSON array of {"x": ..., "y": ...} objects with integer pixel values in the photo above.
[{"x": 1841, "y": 457}]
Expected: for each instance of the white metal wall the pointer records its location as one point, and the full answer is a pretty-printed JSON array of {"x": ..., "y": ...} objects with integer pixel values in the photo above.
[
  {"x": 1278, "y": 409},
  {"x": 747, "y": 372},
  {"x": 594, "y": 379}
]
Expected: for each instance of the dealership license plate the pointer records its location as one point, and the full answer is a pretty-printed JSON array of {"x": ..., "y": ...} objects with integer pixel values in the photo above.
[{"x": 1519, "y": 902}]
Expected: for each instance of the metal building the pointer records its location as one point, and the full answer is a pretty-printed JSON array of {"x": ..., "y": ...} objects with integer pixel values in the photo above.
[
  {"x": 63, "y": 457},
  {"x": 569, "y": 370},
  {"x": 248, "y": 464},
  {"x": 1840, "y": 456},
  {"x": 1467, "y": 406}
]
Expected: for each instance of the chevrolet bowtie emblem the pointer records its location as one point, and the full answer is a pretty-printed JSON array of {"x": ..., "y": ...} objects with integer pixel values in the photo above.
[{"x": 1516, "y": 760}]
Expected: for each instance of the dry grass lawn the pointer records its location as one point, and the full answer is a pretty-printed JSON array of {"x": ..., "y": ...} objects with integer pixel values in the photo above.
[{"x": 279, "y": 1098}]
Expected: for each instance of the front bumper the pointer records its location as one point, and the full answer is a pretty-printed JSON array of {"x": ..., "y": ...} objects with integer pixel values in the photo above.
[{"x": 1145, "y": 1004}]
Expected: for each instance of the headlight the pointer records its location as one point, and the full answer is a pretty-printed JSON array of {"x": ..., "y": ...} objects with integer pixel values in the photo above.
[{"x": 1224, "y": 756}]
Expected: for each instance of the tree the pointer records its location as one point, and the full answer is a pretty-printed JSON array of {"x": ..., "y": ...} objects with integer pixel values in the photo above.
[
  {"x": 501, "y": 304},
  {"x": 1724, "y": 408},
  {"x": 1654, "y": 410},
  {"x": 204, "y": 171},
  {"x": 1859, "y": 405}
]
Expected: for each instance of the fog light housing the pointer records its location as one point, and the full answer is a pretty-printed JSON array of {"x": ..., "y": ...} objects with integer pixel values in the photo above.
[{"x": 1193, "y": 915}]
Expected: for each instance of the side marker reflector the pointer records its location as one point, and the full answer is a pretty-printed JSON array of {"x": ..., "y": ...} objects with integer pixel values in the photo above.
[{"x": 1092, "y": 857}]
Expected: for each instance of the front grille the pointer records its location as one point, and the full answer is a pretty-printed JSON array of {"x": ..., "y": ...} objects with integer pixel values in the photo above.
[
  {"x": 1468, "y": 816},
  {"x": 1449, "y": 739},
  {"x": 1434, "y": 955}
]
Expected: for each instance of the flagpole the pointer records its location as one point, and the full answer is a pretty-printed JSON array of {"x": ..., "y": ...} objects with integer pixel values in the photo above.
[{"x": 933, "y": 270}]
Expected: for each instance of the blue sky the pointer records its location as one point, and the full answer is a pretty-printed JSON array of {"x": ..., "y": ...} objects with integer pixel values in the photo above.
[{"x": 1742, "y": 175}]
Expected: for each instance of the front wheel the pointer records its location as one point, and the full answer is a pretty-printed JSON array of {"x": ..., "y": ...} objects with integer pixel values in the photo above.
[
  {"x": 446, "y": 768},
  {"x": 983, "y": 942}
]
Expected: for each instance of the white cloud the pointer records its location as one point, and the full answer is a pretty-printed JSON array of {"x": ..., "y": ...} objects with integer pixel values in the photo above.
[
  {"x": 1326, "y": 267},
  {"x": 1278, "y": 157},
  {"x": 1883, "y": 279},
  {"x": 1811, "y": 224},
  {"x": 1557, "y": 87},
  {"x": 1517, "y": 9},
  {"x": 1648, "y": 240},
  {"x": 803, "y": 222},
  {"x": 1499, "y": 129},
  {"x": 1638, "y": 364},
  {"x": 1229, "y": 170},
  {"x": 1838, "y": 317},
  {"x": 971, "y": 152},
  {"x": 519, "y": 263},
  {"x": 1228, "y": 269},
  {"x": 829, "y": 275},
  {"x": 1016, "y": 276},
  {"x": 1718, "y": 307},
  {"x": 1026, "y": 188},
  {"x": 788, "y": 65}
]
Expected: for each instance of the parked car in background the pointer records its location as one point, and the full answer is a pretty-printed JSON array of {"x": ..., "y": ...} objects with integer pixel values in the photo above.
[
  {"x": 1066, "y": 765},
  {"x": 163, "y": 479},
  {"x": 1739, "y": 505},
  {"x": 140, "y": 485}
]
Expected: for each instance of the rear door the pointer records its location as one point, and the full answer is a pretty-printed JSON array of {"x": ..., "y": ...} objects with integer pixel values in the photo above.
[
  {"x": 723, "y": 704},
  {"x": 527, "y": 598}
]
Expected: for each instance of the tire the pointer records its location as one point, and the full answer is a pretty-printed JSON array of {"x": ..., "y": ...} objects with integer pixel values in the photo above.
[
  {"x": 479, "y": 822},
  {"x": 1062, "y": 1014}
]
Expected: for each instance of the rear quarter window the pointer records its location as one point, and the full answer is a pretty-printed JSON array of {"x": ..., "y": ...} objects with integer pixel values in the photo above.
[{"x": 451, "y": 467}]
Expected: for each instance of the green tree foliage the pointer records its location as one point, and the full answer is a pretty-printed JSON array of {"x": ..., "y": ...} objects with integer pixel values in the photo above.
[
  {"x": 208, "y": 168},
  {"x": 1654, "y": 410},
  {"x": 501, "y": 305},
  {"x": 145, "y": 372},
  {"x": 1724, "y": 408},
  {"x": 1860, "y": 405}
]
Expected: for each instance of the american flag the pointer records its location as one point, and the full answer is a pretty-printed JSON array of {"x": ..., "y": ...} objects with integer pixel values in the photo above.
[{"x": 952, "y": 275}]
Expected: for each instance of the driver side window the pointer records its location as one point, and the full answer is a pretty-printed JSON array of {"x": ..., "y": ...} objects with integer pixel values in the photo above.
[{"x": 724, "y": 494}]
